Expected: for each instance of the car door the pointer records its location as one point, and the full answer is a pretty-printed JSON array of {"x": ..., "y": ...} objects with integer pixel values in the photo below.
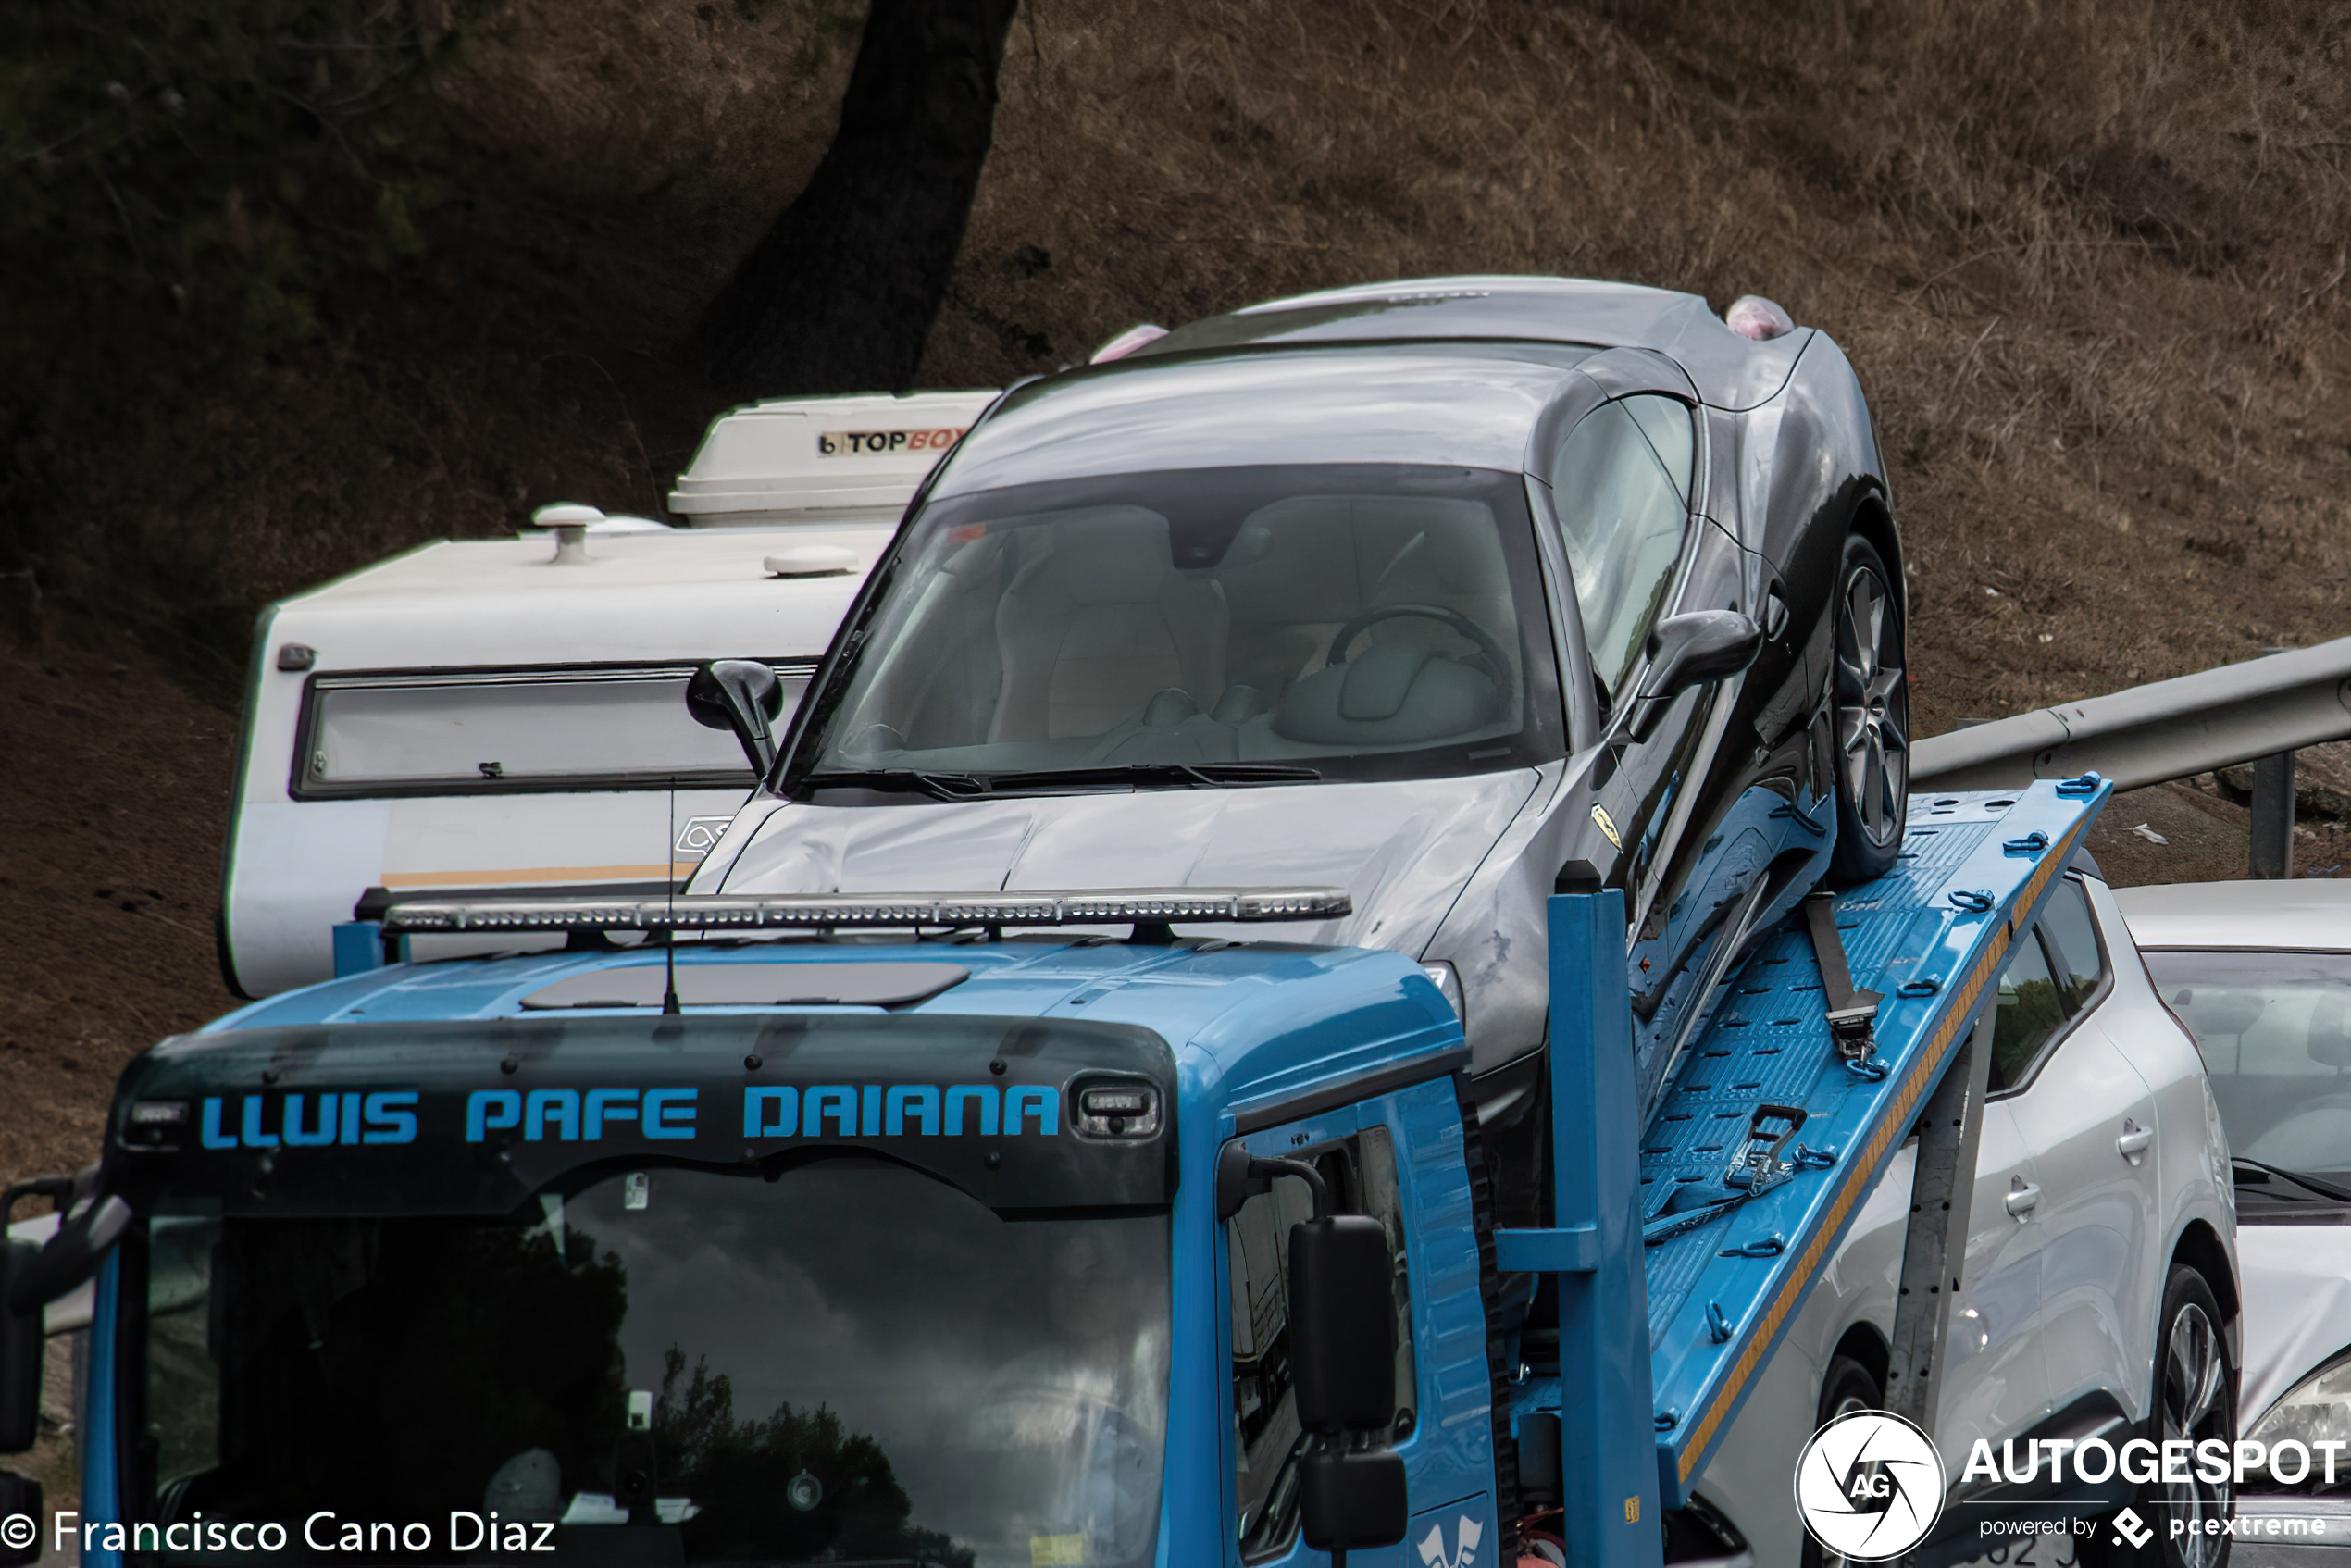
[
  {"x": 1994, "y": 1376},
  {"x": 2088, "y": 1115}
]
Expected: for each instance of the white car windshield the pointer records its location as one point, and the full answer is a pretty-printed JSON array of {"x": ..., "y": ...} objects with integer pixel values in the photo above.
[
  {"x": 2275, "y": 1031},
  {"x": 1222, "y": 625}
]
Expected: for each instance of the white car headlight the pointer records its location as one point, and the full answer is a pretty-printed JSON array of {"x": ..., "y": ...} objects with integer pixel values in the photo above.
[{"x": 2314, "y": 1411}]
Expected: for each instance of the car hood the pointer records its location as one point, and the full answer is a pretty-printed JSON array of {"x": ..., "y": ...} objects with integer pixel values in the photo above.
[
  {"x": 2297, "y": 1307},
  {"x": 1403, "y": 850}
]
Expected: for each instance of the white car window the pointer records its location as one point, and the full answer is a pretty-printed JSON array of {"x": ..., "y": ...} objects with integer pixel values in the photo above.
[
  {"x": 2032, "y": 1009},
  {"x": 2073, "y": 935}
]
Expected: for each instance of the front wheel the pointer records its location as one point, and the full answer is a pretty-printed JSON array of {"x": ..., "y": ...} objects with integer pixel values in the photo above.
[
  {"x": 2195, "y": 1400},
  {"x": 1848, "y": 1389},
  {"x": 1870, "y": 717}
]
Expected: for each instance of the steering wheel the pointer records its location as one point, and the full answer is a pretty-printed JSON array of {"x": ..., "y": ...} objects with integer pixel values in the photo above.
[{"x": 1487, "y": 648}]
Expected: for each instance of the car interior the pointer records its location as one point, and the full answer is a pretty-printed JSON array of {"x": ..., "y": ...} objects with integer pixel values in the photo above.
[
  {"x": 2275, "y": 1031},
  {"x": 1319, "y": 624}
]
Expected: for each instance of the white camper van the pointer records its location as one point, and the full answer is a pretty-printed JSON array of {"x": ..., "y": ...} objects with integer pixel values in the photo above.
[{"x": 510, "y": 714}]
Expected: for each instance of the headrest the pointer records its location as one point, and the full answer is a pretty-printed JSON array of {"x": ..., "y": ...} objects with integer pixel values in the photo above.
[
  {"x": 2218, "y": 1010},
  {"x": 1456, "y": 553},
  {"x": 1118, "y": 556},
  {"x": 2330, "y": 1041}
]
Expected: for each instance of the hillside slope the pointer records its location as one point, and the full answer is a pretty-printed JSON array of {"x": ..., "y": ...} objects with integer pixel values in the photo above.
[{"x": 2087, "y": 256}]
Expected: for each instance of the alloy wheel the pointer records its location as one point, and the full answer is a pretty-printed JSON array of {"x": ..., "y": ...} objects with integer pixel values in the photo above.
[
  {"x": 2195, "y": 1407},
  {"x": 1873, "y": 707},
  {"x": 1852, "y": 1405}
]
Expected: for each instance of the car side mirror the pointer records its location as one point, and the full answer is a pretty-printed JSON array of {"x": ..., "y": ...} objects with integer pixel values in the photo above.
[
  {"x": 1692, "y": 650},
  {"x": 19, "y": 1498},
  {"x": 742, "y": 695},
  {"x": 19, "y": 1360}
]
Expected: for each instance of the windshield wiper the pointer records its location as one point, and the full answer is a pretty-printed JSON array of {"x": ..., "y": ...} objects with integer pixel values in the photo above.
[
  {"x": 1051, "y": 780},
  {"x": 2323, "y": 1189},
  {"x": 938, "y": 786},
  {"x": 1189, "y": 775}
]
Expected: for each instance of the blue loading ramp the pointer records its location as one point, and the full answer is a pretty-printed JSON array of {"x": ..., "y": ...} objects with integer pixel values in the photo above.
[{"x": 1672, "y": 1291}]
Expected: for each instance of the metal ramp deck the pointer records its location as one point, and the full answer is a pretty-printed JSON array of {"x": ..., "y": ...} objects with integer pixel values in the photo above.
[{"x": 1714, "y": 1288}]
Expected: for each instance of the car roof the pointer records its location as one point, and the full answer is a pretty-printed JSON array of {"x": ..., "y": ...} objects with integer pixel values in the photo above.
[
  {"x": 2308, "y": 915},
  {"x": 1729, "y": 371},
  {"x": 1424, "y": 404}
]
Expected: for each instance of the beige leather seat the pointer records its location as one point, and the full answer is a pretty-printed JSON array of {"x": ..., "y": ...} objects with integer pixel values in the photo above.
[{"x": 1101, "y": 621}]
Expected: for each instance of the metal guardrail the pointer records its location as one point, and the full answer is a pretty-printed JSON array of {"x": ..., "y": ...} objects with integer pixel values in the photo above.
[
  {"x": 2149, "y": 734},
  {"x": 2261, "y": 711}
]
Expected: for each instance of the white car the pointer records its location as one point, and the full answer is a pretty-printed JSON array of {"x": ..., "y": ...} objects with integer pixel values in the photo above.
[
  {"x": 2100, "y": 1293},
  {"x": 2261, "y": 972}
]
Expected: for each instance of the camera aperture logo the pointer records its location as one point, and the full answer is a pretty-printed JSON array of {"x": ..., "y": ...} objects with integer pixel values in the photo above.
[{"x": 1869, "y": 1486}]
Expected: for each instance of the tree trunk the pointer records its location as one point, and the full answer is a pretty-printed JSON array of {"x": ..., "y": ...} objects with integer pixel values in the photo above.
[{"x": 839, "y": 295}]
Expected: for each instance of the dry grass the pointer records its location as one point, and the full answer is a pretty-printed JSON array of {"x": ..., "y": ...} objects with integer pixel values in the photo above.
[{"x": 2086, "y": 255}]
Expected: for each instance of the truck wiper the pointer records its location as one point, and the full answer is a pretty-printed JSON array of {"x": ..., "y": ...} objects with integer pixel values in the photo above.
[
  {"x": 938, "y": 786},
  {"x": 2323, "y": 1189}
]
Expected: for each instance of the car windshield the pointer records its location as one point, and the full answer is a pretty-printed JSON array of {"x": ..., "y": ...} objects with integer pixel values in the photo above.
[
  {"x": 2275, "y": 1030},
  {"x": 846, "y": 1362},
  {"x": 1186, "y": 627}
]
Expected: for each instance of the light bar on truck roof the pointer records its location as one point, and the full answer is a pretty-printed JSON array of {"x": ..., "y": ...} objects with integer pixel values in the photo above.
[{"x": 869, "y": 912}]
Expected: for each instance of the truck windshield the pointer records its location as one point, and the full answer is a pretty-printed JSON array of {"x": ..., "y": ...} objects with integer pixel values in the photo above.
[
  {"x": 848, "y": 1362},
  {"x": 2275, "y": 1032},
  {"x": 1370, "y": 620}
]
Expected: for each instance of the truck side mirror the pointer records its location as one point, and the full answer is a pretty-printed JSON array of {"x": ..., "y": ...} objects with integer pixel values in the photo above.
[
  {"x": 1342, "y": 1287},
  {"x": 88, "y": 1232},
  {"x": 20, "y": 1363},
  {"x": 742, "y": 695},
  {"x": 1691, "y": 649},
  {"x": 20, "y": 1498},
  {"x": 1352, "y": 1500},
  {"x": 1342, "y": 1346}
]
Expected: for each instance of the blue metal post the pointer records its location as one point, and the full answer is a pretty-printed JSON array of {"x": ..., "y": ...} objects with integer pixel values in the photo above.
[
  {"x": 359, "y": 947},
  {"x": 1608, "y": 1436}
]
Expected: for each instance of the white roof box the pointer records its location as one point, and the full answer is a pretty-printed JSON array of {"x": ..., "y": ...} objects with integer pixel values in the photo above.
[{"x": 821, "y": 460}]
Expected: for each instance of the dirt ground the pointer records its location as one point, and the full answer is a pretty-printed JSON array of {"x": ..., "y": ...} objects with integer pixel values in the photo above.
[{"x": 2087, "y": 260}]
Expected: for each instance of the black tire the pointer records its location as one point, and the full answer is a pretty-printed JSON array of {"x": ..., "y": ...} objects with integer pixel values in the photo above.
[
  {"x": 1848, "y": 1387},
  {"x": 1869, "y": 715},
  {"x": 2190, "y": 1316}
]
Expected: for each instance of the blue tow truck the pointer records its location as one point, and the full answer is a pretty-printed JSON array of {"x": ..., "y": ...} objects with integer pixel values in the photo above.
[{"x": 916, "y": 1230}]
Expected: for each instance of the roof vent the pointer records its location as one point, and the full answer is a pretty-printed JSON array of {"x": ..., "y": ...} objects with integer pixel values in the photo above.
[
  {"x": 1753, "y": 315},
  {"x": 569, "y": 521},
  {"x": 812, "y": 560}
]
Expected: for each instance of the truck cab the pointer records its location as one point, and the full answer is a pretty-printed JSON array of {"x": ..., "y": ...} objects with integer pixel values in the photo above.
[{"x": 893, "y": 1253}]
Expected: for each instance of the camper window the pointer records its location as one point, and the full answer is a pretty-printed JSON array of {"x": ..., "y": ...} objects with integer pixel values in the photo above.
[{"x": 480, "y": 732}]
